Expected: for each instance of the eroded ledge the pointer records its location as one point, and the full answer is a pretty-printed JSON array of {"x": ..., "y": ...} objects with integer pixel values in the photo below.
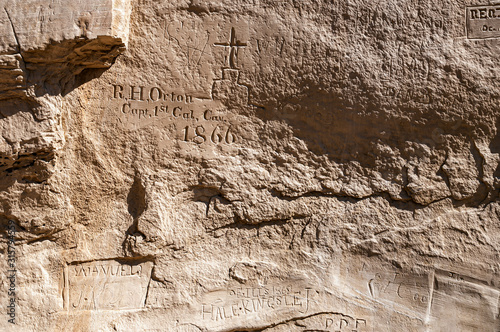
[{"x": 48, "y": 47}]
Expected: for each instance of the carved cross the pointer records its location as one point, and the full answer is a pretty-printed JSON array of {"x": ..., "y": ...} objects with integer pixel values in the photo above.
[{"x": 233, "y": 44}]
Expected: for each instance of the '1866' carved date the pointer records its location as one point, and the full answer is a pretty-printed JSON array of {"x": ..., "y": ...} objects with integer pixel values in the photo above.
[
  {"x": 216, "y": 135},
  {"x": 199, "y": 121}
]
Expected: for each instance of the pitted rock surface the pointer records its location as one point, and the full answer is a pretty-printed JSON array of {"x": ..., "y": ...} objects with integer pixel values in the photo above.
[{"x": 250, "y": 165}]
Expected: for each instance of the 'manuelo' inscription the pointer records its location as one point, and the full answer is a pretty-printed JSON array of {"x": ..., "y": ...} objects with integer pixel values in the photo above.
[
  {"x": 106, "y": 285},
  {"x": 483, "y": 22}
]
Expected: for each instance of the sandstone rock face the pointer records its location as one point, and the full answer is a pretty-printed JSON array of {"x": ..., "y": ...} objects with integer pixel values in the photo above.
[{"x": 250, "y": 165}]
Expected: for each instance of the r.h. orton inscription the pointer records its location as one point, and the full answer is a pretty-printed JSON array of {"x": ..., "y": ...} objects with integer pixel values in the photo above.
[
  {"x": 106, "y": 285},
  {"x": 190, "y": 119},
  {"x": 198, "y": 121}
]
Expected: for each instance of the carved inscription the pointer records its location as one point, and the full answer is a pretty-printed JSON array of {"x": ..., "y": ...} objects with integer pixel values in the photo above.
[
  {"x": 467, "y": 303},
  {"x": 370, "y": 19},
  {"x": 409, "y": 293},
  {"x": 326, "y": 322},
  {"x": 186, "y": 118},
  {"x": 336, "y": 322},
  {"x": 239, "y": 302},
  {"x": 483, "y": 22},
  {"x": 196, "y": 120},
  {"x": 159, "y": 295},
  {"x": 146, "y": 103},
  {"x": 106, "y": 285}
]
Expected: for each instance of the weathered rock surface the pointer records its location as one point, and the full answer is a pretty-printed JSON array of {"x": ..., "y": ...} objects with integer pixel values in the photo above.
[{"x": 250, "y": 165}]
